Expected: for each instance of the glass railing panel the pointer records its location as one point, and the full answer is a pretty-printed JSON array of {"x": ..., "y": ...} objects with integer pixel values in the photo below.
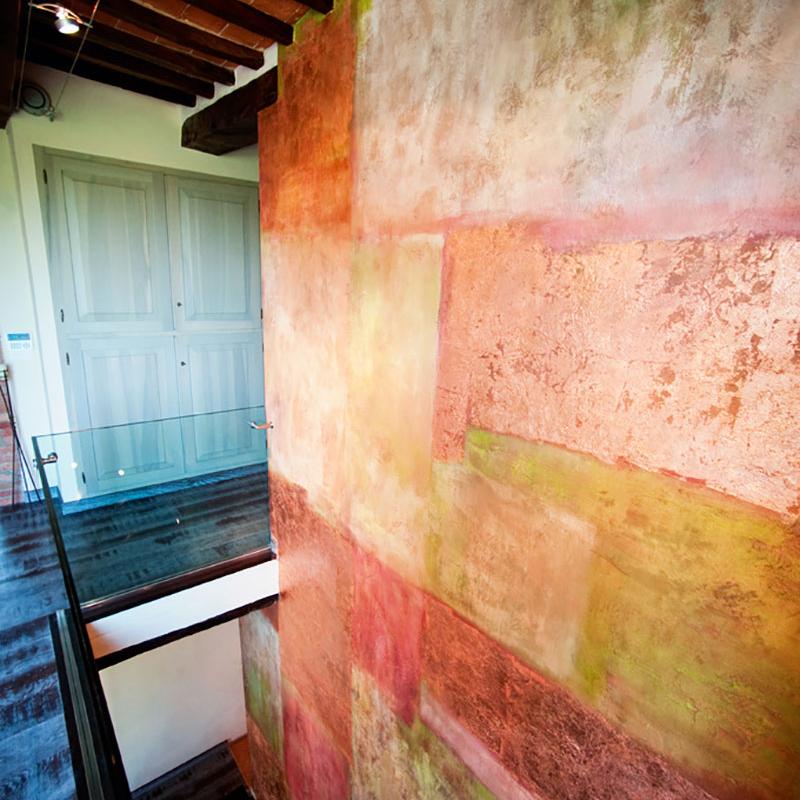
[{"x": 140, "y": 503}]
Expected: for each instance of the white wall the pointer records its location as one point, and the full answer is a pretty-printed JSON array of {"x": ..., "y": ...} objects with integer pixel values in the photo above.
[
  {"x": 174, "y": 702},
  {"x": 92, "y": 119},
  {"x": 17, "y": 309}
]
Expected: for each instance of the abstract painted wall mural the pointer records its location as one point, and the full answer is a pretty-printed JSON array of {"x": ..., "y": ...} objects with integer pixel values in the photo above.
[{"x": 532, "y": 342}]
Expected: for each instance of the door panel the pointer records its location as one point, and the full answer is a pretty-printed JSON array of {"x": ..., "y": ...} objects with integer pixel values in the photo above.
[
  {"x": 220, "y": 372},
  {"x": 157, "y": 286},
  {"x": 127, "y": 379},
  {"x": 109, "y": 247},
  {"x": 121, "y": 380},
  {"x": 214, "y": 251}
]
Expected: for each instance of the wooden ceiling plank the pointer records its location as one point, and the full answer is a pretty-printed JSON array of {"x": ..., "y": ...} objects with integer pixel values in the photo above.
[
  {"x": 10, "y": 30},
  {"x": 247, "y": 17},
  {"x": 158, "y": 54},
  {"x": 232, "y": 121},
  {"x": 48, "y": 57},
  {"x": 184, "y": 34},
  {"x": 323, "y": 6},
  {"x": 124, "y": 62}
]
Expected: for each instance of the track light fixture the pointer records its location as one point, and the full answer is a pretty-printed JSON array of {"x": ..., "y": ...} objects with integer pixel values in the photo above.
[{"x": 66, "y": 21}]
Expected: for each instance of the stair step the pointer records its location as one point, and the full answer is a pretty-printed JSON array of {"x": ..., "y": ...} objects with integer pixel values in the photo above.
[{"x": 212, "y": 775}]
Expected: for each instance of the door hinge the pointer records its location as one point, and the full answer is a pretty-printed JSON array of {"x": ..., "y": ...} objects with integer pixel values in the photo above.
[
  {"x": 62, "y": 314},
  {"x": 67, "y": 359},
  {"x": 261, "y": 313},
  {"x": 44, "y": 173}
]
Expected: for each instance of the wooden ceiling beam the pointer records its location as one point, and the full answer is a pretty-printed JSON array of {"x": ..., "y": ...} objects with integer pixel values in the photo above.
[
  {"x": 183, "y": 34},
  {"x": 158, "y": 54},
  {"x": 323, "y": 6},
  {"x": 245, "y": 16},
  {"x": 10, "y": 28},
  {"x": 96, "y": 53},
  {"x": 232, "y": 121},
  {"x": 50, "y": 57}
]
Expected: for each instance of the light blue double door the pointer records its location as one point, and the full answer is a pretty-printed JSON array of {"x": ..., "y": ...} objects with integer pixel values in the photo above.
[{"x": 156, "y": 284}]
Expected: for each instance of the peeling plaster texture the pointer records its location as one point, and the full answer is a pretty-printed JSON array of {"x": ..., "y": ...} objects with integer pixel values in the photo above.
[
  {"x": 305, "y": 175},
  {"x": 678, "y": 356},
  {"x": 672, "y": 115}
]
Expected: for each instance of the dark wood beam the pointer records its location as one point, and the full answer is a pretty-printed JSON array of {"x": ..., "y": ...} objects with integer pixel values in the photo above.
[
  {"x": 231, "y": 122},
  {"x": 158, "y": 54},
  {"x": 48, "y": 36},
  {"x": 323, "y": 6},
  {"x": 49, "y": 57},
  {"x": 183, "y": 34},
  {"x": 247, "y": 17},
  {"x": 10, "y": 28}
]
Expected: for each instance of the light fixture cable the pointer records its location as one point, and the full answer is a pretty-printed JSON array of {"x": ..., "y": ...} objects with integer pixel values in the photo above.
[
  {"x": 24, "y": 56},
  {"x": 86, "y": 29}
]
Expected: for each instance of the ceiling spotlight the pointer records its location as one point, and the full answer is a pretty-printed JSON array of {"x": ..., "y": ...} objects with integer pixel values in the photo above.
[{"x": 66, "y": 21}]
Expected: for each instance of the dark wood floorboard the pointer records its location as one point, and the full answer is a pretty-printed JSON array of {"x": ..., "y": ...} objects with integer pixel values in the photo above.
[
  {"x": 122, "y": 546},
  {"x": 212, "y": 775},
  {"x": 34, "y": 751}
]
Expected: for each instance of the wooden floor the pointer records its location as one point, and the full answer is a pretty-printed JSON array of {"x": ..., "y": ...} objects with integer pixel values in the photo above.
[
  {"x": 112, "y": 548},
  {"x": 240, "y": 750},
  {"x": 34, "y": 752},
  {"x": 122, "y": 546},
  {"x": 213, "y": 775}
]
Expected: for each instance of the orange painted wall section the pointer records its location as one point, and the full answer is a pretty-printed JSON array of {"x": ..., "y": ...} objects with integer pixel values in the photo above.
[
  {"x": 532, "y": 342},
  {"x": 688, "y": 345}
]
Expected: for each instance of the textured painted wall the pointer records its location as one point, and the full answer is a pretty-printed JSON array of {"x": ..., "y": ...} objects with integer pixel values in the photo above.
[{"x": 532, "y": 339}]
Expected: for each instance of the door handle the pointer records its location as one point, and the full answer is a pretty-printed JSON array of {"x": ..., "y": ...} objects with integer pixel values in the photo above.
[
  {"x": 183, "y": 363},
  {"x": 260, "y": 427}
]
